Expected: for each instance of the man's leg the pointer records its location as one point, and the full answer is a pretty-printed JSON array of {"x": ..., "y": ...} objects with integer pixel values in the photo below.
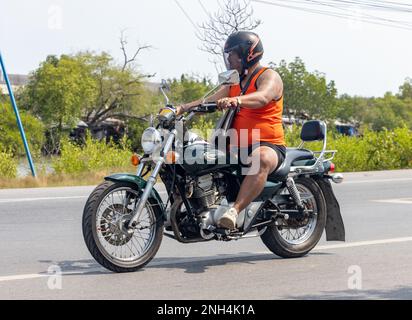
[{"x": 252, "y": 185}]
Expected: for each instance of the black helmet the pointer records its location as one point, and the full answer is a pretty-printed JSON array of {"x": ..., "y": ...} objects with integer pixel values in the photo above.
[{"x": 247, "y": 45}]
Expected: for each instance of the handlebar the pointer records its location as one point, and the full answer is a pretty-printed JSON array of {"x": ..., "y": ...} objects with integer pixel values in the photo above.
[
  {"x": 206, "y": 107},
  {"x": 201, "y": 108}
]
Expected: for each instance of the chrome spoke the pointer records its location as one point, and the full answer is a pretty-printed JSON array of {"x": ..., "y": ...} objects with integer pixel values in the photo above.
[
  {"x": 297, "y": 234},
  {"x": 111, "y": 217}
]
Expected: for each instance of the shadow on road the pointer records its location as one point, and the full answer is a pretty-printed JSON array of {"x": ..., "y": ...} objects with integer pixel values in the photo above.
[
  {"x": 399, "y": 293},
  {"x": 188, "y": 264},
  {"x": 77, "y": 267},
  {"x": 202, "y": 264}
]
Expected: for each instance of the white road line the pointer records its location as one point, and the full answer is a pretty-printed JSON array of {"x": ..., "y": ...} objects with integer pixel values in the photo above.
[
  {"x": 22, "y": 277},
  {"x": 203, "y": 259},
  {"x": 52, "y": 198},
  {"x": 376, "y": 180},
  {"x": 396, "y": 201},
  {"x": 40, "y": 199},
  {"x": 364, "y": 243}
]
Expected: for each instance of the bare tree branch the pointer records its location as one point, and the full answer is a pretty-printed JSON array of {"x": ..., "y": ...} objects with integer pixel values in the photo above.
[
  {"x": 233, "y": 16},
  {"x": 118, "y": 86},
  {"x": 127, "y": 60},
  {"x": 144, "y": 118}
]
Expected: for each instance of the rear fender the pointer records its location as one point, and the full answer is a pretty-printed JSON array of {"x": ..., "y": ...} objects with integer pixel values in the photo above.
[{"x": 335, "y": 229}]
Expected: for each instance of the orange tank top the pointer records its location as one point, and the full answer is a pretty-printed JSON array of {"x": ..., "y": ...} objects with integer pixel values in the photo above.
[{"x": 267, "y": 120}]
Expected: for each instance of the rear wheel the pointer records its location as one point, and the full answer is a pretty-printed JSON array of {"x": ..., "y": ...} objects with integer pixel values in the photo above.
[
  {"x": 294, "y": 238},
  {"x": 106, "y": 215}
]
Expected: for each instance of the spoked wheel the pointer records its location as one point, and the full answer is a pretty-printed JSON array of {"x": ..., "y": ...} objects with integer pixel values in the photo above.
[
  {"x": 105, "y": 219},
  {"x": 297, "y": 237}
]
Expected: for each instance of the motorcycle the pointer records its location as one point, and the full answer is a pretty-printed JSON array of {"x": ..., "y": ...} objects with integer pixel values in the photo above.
[{"x": 125, "y": 219}]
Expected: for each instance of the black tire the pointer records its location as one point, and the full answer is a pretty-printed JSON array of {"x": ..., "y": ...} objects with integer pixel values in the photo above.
[
  {"x": 279, "y": 246},
  {"x": 90, "y": 230}
]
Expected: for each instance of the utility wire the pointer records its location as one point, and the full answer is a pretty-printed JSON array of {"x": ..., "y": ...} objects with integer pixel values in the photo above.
[
  {"x": 406, "y": 23},
  {"x": 204, "y": 8},
  {"x": 187, "y": 16},
  {"x": 370, "y": 5},
  {"x": 377, "y": 21}
]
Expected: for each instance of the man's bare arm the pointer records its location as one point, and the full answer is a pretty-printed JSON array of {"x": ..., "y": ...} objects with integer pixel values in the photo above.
[
  {"x": 221, "y": 93},
  {"x": 270, "y": 87}
]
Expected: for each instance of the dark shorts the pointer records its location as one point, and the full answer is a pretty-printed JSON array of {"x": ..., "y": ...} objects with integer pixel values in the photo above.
[{"x": 279, "y": 149}]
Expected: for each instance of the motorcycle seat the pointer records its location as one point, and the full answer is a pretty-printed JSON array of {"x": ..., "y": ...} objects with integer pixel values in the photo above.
[{"x": 292, "y": 155}]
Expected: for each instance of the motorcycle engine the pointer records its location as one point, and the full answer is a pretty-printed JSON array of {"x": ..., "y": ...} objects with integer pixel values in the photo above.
[{"x": 202, "y": 192}]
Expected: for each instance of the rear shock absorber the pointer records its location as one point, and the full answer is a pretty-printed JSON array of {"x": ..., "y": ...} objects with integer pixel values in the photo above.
[{"x": 294, "y": 192}]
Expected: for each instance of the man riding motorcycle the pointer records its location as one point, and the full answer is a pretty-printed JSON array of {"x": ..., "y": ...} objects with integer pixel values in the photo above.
[{"x": 259, "y": 102}]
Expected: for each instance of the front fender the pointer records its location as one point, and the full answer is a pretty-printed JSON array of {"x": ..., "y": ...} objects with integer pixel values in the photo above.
[{"x": 139, "y": 182}]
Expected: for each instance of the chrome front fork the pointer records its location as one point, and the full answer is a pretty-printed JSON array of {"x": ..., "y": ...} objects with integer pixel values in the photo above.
[
  {"x": 140, "y": 169},
  {"x": 151, "y": 181}
]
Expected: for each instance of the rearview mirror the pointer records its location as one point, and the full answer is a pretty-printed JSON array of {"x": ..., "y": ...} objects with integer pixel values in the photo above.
[
  {"x": 230, "y": 77},
  {"x": 164, "y": 85}
]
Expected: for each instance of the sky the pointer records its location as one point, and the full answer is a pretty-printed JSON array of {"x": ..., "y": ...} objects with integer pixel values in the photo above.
[{"x": 363, "y": 59}]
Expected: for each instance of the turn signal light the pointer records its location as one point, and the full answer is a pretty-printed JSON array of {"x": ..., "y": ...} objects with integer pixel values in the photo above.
[
  {"x": 135, "y": 160},
  {"x": 171, "y": 157}
]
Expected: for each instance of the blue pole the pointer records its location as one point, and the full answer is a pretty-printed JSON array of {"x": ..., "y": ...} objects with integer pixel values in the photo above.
[{"x": 16, "y": 111}]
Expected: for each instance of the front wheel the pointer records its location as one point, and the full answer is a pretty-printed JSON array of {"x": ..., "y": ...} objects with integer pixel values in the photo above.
[
  {"x": 106, "y": 215},
  {"x": 294, "y": 238}
]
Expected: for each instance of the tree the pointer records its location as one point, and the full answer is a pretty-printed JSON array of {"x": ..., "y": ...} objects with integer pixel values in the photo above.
[
  {"x": 405, "y": 90},
  {"x": 306, "y": 92},
  {"x": 58, "y": 91},
  {"x": 87, "y": 86},
  {"x": 388, "y": 112},
  {"x": 10, "y": 138},
  {"x": 234, "y": 15},
  {"x": 188, "y": 88},
  {"x": 119, "y": 86},
  {"x": 352, "y": 109}
]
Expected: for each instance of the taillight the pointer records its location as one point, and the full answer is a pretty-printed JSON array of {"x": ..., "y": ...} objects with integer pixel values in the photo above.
[{"x": 332, "y": 167}]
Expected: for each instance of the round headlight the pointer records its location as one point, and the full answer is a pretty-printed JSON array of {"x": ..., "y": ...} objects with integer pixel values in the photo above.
[{"x": 151, "y": 138}]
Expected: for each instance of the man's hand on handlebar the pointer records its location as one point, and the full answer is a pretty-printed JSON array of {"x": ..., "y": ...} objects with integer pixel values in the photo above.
[
  {"x": 180, "y": 110},
  {"x": 221, "y": 104},
  {"x": 228, "y": 103},
  {"x": 201, "y": 108}
]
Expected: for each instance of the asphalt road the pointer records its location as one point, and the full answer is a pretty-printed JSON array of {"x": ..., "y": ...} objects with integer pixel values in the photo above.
[{"x": 40, "y": 234}]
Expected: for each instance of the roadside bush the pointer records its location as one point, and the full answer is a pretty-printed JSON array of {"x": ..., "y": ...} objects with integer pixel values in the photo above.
[
  {"x": 10, "y": 134},
  {"x": 94, "y": 156},
  {"x": 388, "y": 150},
  {"x": 384, "y": 150},
  {"x": 8, "y": 165}
]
